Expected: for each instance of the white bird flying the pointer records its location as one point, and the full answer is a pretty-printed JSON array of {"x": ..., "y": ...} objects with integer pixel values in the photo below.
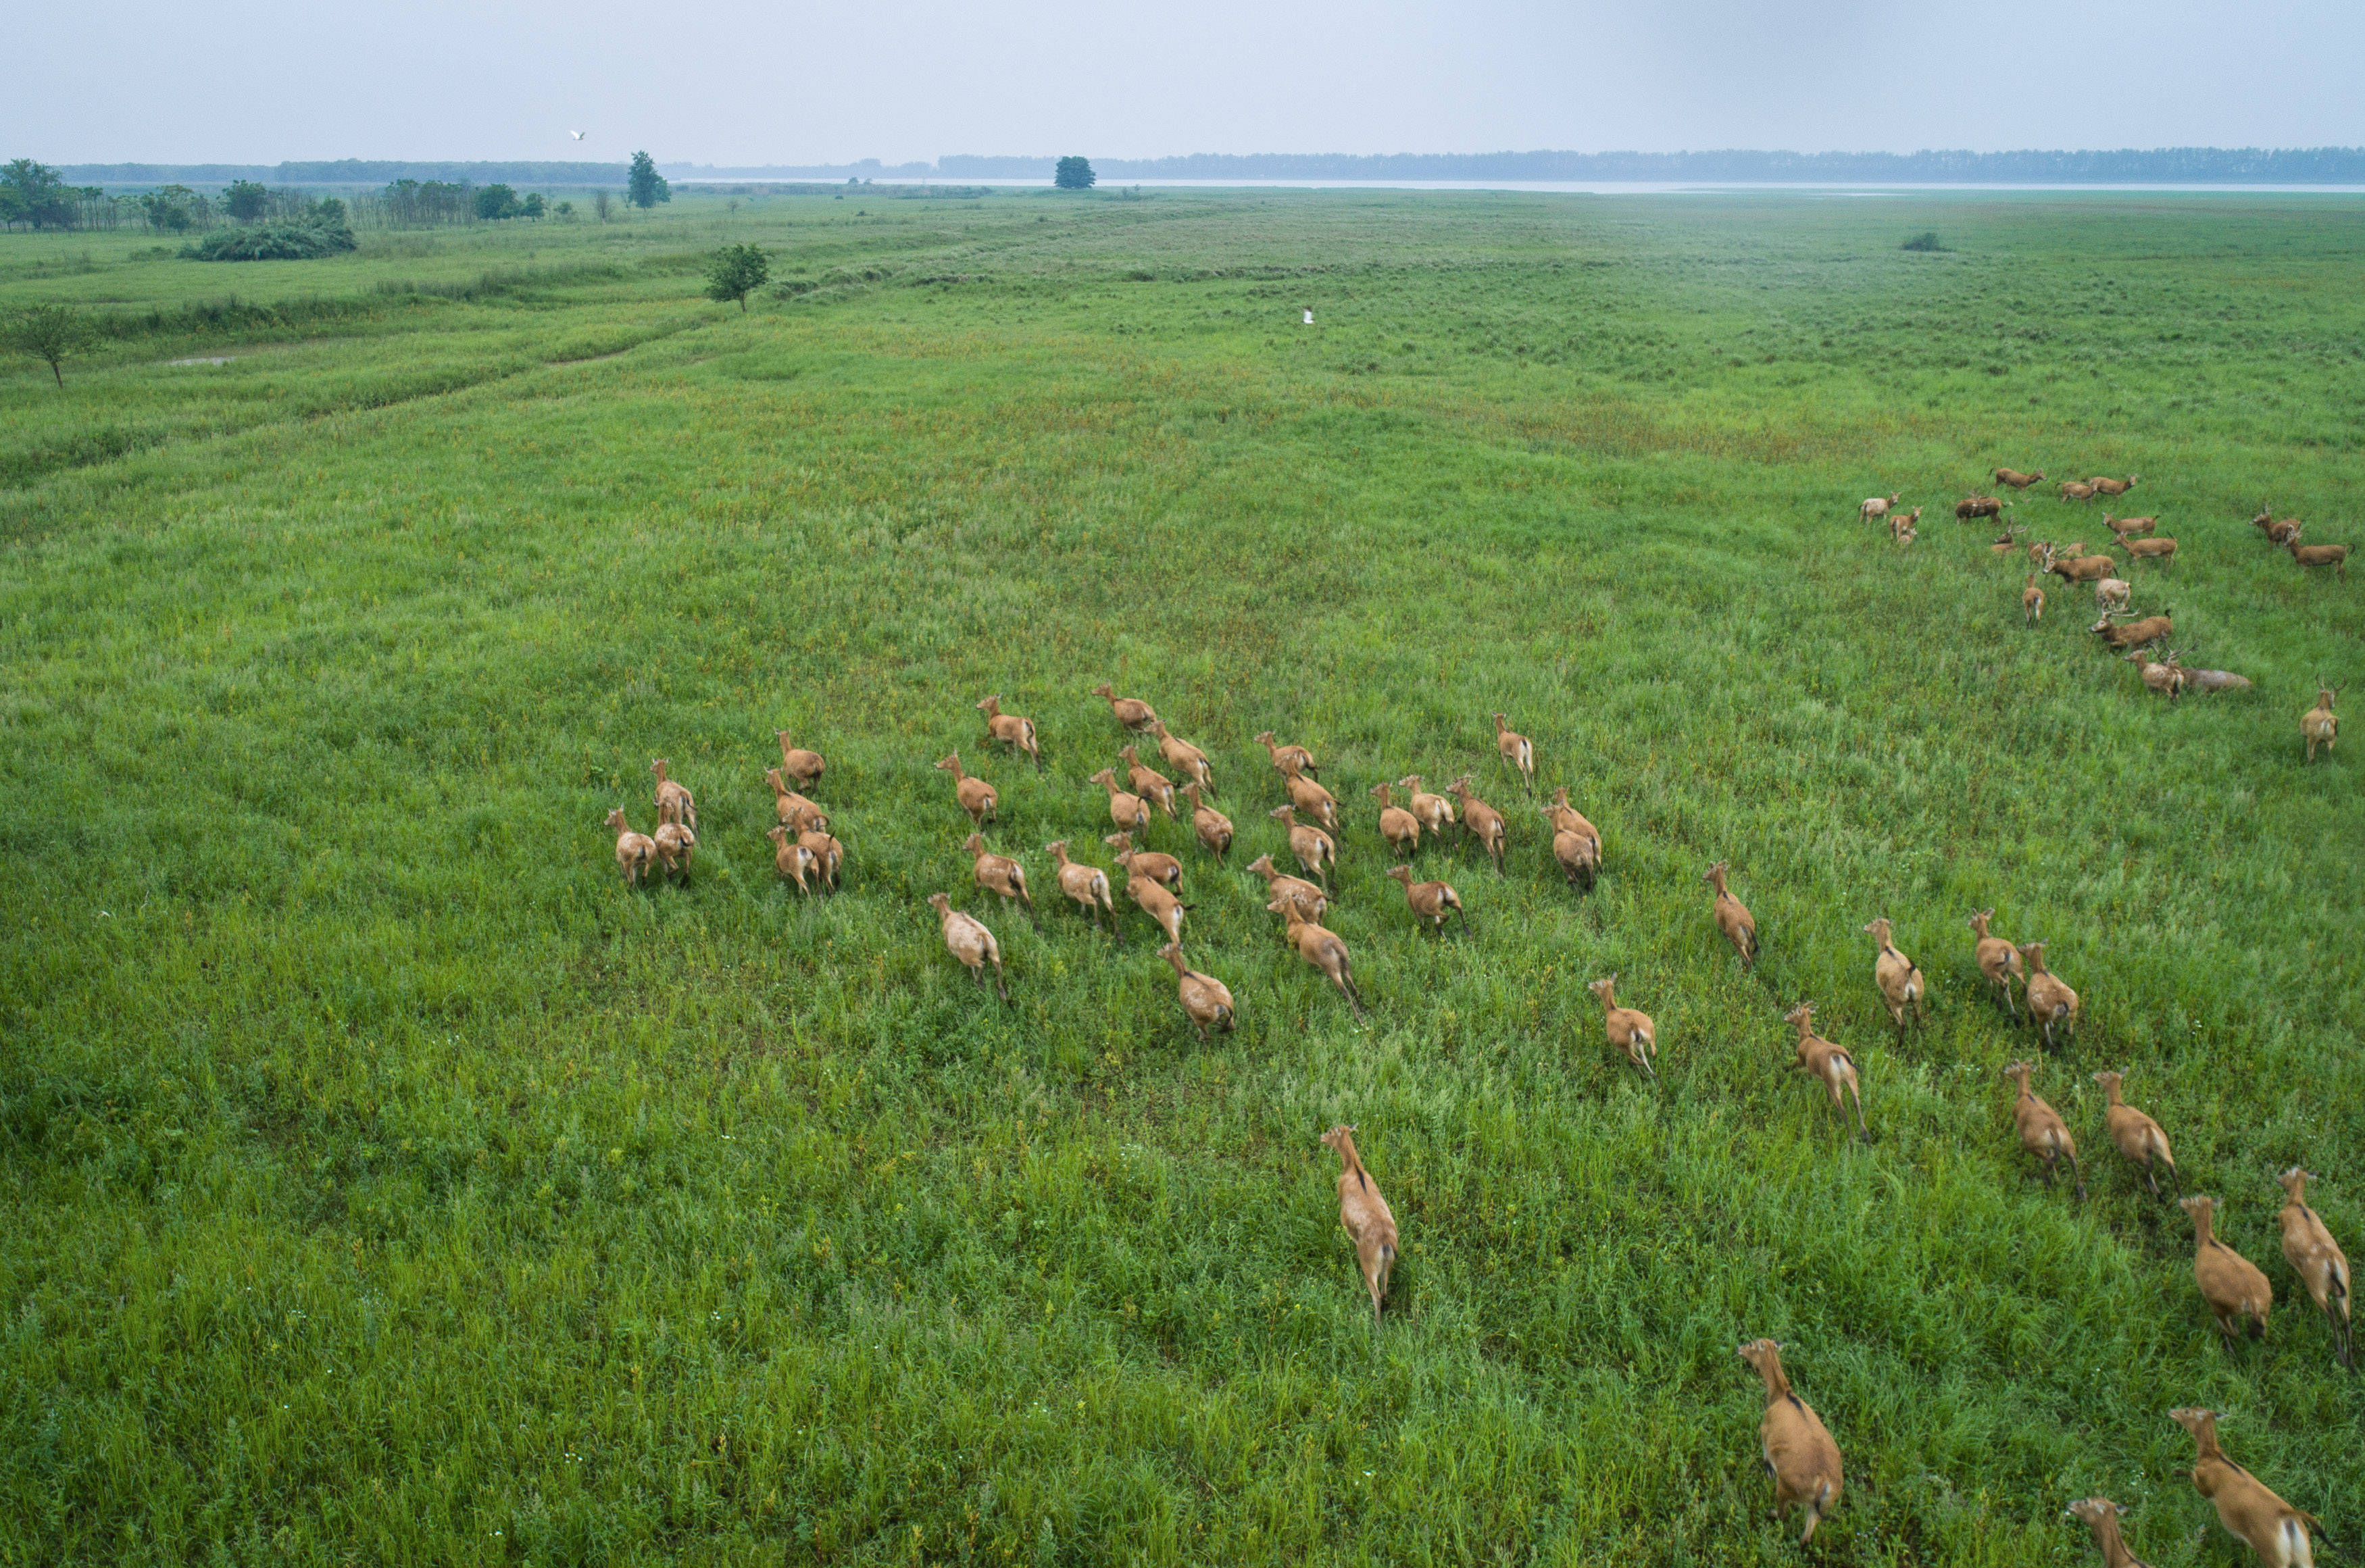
[{"x": 576, "y": 134}]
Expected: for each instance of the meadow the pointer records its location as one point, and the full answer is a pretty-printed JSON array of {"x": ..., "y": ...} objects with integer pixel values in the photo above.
[{"x": 384, "y": 1181}]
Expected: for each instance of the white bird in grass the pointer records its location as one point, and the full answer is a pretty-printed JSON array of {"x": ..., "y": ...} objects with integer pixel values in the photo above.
[{"x": 1309, "y": 317}]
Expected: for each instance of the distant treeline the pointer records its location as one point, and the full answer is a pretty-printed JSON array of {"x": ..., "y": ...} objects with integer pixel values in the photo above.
[
  {"x": 347, "y": 172},
  {"x": 2177, "y": 165},
  {"x": 2159, "y": 165}
]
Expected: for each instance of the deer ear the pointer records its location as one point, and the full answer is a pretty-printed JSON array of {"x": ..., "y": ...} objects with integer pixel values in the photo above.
[{"x": 2119, "y": 1508}]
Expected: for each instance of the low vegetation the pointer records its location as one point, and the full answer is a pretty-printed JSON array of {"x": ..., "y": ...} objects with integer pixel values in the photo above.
[{"x": 389, "y": 1179}]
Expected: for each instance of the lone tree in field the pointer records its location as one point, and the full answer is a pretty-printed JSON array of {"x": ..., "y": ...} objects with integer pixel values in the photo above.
[
  {"x": 1074, "y": 174},
  {"x": 644, "y": 187},
  {"x": 735, "y": 272},
  {"x": 246, "y": 200},
  {"x": 50, "y": 333}
]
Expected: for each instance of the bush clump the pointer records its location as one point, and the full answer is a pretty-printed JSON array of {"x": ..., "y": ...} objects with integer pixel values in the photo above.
[
  {"x": 1925, "y": 241},
  {"x": 272, "y": 242}
]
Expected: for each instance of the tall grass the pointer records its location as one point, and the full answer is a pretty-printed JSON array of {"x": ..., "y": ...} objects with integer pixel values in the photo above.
[{"x": 387, "y": 1182}]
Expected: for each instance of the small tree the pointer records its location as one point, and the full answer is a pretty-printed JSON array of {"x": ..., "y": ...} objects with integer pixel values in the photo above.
[
  {"x": 565, "y": 211},
  {"x": 644, "y": 187},
  {"x": 602, "y": 204},
  {"x": 534, "y": 206},
  {"x": 734, "y": 272},
  {"x": 496, "y": 202},
  {"x": 35, "y": 194},
  {"x": 246, "y": 200},
  {"x": 50, "y": 333},
  {"x": 1074, "y": 174}
]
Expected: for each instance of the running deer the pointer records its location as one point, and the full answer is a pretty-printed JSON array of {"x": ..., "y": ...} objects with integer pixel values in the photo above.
[
  {"x": 2168, "y": 679},
  {"x": 1566, "y": 818},
  {"x": 2102, "y": 1516},
  {"x": 1165, "y": 911},
  {"x": 1398, "y": 826},
  {"x": 1434, "y": 813},
  {"x": 828, "y": 855},
  {"x": 2320, "y": 723},
  {"x": 796, "y": 814},
  {"x": 1289, "y": 760},
  {"x": 2279, "y": 532},
  {"x": 1310, "y": 900},
  {"x": 2050, "y": 1001},
  {"x": 1313, "y": 799},
  {"x": 1010, "y": 730},
  {"x": 1799, "y": 1453},
  {"x": 2018, "y": 481},
  {"x": 1732, "y": 916},
  {"x": 1087, "y": 885},
  {"x": 999, "y": 874},
  {"x": 967, "y": 939},
  {"x": 635, "y": 851},
  {"x": 674, "y": 804},
  {"x": 805, "y": 767},
  {"x": 676, "y": 843},
  {"x": 2135, "y": 1136},
  {"x": 2111, "y": 593},
  {"x": 1998, "y": 959},
  {"x": 976, "y": 796},
  {"x": 1313, "y": 848},
  {"x": 2031, "y": 601},
  {"x": 1149, "y": 783},
  {"x": 2071, "y": 490},
  {"x": 2234, "y": 1288},
  {"x": 2104, "y": 486},
  {"x": 1186, "y": 759},
  {"x": 1206, "y": 1001},
  {"x": 1517, "y": 751},
  {"x": 2125, "y": 526},
  {"x": 2318, "y": 1261},
  {"x": 2042, "y": 1131},
  {"x": 1828, "y": 1064},
  {"x": 1970, "y": 507},
  {"x": 2333, "y": 556},
  {"x": 1430, "y": 901},
  {"x": 791, "y": 858},
  {"x": 1364, "y": 1216},
  {"x": 2160, "y": 549},
  {"x": 1630, "y": 1030},
  {"x": 1131, "y": 711},
  {"x": 1481, "y": 820},
  {"x": 1154, "y": 864},
  {"x": 1214, "y": 828},
  {"x": 1320, "y": 948},
  {"x": 1895, "y": 974},
  {"x": 2272, "y": 1527},
  {"x": 1129, "y": 810}
]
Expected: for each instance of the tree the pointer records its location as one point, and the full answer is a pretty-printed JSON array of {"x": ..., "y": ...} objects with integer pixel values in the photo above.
[
  {"x": 174, "y": 208},
  {"x": 246, "y": 200},
  {"x": 565, "y": 210},
  {"x": 35, "y": 194},
  {"x": 602, "y": 204},
  {"x": 534, "y": 206},
  {"x": 1074, "y": 174},
  {"x": 644, "y": 186},
  {"x": 734, "y": 272},
  {"x": 494, "y": 202},
  {"x": 50, "y": 333}
]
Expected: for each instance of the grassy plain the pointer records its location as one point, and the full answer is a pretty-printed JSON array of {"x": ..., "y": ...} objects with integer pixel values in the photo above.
[{"x": 384, "y": 1182}]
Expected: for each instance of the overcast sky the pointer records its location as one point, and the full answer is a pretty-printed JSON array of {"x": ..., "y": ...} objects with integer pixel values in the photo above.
[{"x": 259, "y": 80}]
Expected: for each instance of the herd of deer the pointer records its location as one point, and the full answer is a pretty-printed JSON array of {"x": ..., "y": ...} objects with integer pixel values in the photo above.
[
  {"x": 2320, "y": 725},
  {"x": 1799, "y": 1452}
]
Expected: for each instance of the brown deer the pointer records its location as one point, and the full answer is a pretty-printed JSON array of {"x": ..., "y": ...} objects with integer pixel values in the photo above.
[
  {"x": 1010, "y": 730},
  {"x": 1364, "y": 1216}
]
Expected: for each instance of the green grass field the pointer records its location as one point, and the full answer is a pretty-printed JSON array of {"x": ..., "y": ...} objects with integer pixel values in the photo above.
[{"x": 385, "y": 1183}]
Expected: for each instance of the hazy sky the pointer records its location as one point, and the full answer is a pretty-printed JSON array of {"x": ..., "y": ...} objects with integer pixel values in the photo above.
[{"x": 258, "y": 80}]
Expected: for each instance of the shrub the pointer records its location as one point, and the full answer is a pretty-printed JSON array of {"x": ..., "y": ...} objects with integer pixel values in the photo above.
[
  {"x": 735, "y": 269},
  {"x": 1925, "y": 241},
  {"x": 272, "y": 243}
]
